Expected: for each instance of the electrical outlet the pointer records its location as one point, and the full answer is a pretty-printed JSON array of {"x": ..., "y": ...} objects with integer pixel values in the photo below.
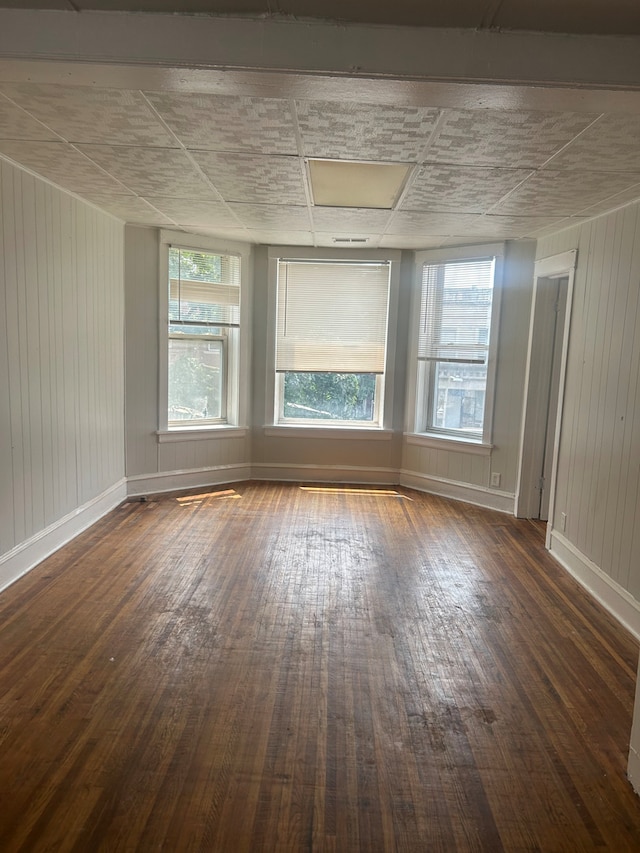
[
  {"x": 563, "y": 522},
  {"x": 495, "y": 479}
]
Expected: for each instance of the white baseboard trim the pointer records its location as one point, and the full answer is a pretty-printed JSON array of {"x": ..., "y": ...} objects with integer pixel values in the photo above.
[
  {"x": 633, "y": 770},
  {"x": 192, "y": 478},
  {"x": 620, "y": 603},
  {"x": 324, "y": 474},
  {"x": 477, "y": 495},
  {"x": 17, "y": 562}
]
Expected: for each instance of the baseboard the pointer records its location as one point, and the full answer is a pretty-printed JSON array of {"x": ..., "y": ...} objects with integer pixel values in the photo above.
[
  {"x": 169, "y": 481},
  {"x": 477, "y": 495},
  {"x": 324, "y": 474},
  {"x": 193, "y": 478},
  {"x": 620, "y": 603},
  {"x": 633, "y": 770},
  {"x": 17, "y": 562}
]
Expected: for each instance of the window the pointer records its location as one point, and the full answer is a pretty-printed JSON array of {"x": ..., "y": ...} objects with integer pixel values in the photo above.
[
  {"x": 331, "y": 340},
  {"x": 203, "y": 329},
  {"x": 455, "y": 348}
]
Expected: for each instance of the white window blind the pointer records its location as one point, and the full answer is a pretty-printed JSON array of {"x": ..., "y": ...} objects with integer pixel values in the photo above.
[
  {"x": 332, "y": 316},
  {"x": 455, "y": 311},
  {"x": 204, "y": 288}
]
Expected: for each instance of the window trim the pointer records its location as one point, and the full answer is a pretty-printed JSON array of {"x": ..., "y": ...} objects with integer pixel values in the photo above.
[
  {"x": 236, "y": 398},
  {"x": 418, "y": 386},
  {"x": 393, "y": 256}
]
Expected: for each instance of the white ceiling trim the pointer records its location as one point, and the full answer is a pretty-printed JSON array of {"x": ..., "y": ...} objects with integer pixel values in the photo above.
[{"x": 318, "y": 47}]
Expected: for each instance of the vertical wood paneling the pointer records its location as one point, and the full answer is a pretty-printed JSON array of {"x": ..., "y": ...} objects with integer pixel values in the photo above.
[
  {"x": 61, "y": 361},
  {"x": 628, "y": 498},
  {"x": 6, "y": 470},
  {"x": 45, "y": 311},
  {"x": 616, "y": 387},
  {"x": 599, "y": 459},
  {"x": 141, "y": 336}
]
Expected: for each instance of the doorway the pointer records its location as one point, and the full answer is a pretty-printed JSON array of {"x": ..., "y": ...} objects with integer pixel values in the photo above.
[
  {"x": 546, "y": 361},
  {"x": 555, "y": 303}
]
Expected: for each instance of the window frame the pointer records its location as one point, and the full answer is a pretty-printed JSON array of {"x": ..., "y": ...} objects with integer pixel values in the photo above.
[
  {"x": 202, "y": 423},
  {"x": 421, "y": 374},
  {"x": 236, "y": 346},
  {"x": 274, "y": 386}
]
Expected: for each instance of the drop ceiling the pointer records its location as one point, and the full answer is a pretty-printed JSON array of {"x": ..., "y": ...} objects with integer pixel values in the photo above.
[{"x": 233, "y": 163}]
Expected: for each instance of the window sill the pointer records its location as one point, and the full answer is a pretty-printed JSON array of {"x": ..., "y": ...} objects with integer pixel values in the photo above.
[
  {"x": 339, "y": 432},
  {"x": 200, "y": 433},
  {"x": 442, "y": 442}
]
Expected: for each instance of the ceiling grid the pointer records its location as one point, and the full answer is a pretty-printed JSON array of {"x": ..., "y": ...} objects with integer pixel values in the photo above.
[{"x": 235, "y": 164}]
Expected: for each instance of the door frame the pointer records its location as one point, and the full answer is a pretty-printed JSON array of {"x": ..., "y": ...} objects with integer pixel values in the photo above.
[{"x": 535, "y": 396}]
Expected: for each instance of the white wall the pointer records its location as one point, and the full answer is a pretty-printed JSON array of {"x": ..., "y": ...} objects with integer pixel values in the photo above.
[
  {"x": 141, "y": 265},
  {"x": 598, "y": 485},
  {"x": 61, "y": 360}
]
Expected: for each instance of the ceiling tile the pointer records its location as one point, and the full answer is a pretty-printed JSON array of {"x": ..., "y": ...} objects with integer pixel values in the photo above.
[
  {"x": 16, "y": 124},
  {"x": 556, "y": 225},
  {"x": 228, "y": 123},
  {"x": 565, "y": 192},
  {"x": 429, "y": 224},
  {"x": 393, "y": 241},
  {"x": 83, "y": 114},
  {"x": 508, "y": 227},
  {"x": 459, "y": 188},
  {"x": 466, "y": 240},
  {"x": 613, "y": 201},
  {"x": 282, "y": 238},
  {"x": 254, "y": 178},
  {"x": 236, "y": 234},
  {"x": 194, "y": 212},
  {"x": 340, "y": 219},
  {"x": 503, "y": 137},
  {"x": 152, "y": 171},
  {"x": 610, "y": 144},
  {"x": 62, "y": 165},
  {"x": 129, "y": 208},
  {"x": 272, "y": 217},
  {"x": 351, "y": 131}
]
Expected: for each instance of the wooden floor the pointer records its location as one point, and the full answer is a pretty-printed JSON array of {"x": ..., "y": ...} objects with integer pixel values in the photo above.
[{"x": 267, "y": 668}]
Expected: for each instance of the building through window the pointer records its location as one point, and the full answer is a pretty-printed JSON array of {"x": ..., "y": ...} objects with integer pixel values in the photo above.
[{"x": 454, "y": 347}]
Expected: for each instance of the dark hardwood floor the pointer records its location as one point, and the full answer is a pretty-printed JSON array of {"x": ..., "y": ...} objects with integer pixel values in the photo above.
[{"x": 271, "y": 668}]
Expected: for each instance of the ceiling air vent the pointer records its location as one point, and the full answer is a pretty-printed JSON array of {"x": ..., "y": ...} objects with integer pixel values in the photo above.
[{"x": 350, "y": 239}]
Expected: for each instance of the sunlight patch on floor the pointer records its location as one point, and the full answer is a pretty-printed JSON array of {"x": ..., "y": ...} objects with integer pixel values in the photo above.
[
  {"x": 379, "y": 493},
  {"x": 189, "y": 500}
]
